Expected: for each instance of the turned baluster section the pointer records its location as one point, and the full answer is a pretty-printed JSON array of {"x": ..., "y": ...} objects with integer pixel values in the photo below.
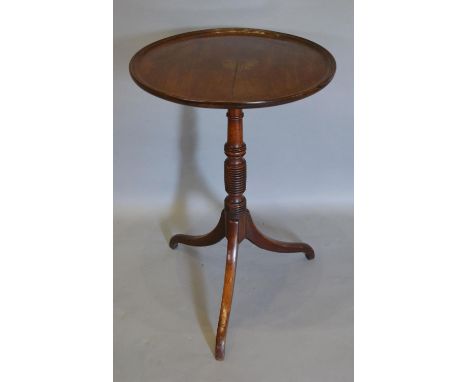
[{"x": 235, "y": 167}]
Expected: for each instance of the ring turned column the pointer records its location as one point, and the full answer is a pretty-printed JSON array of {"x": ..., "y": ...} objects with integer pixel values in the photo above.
[{"x": 235, "y": 167}]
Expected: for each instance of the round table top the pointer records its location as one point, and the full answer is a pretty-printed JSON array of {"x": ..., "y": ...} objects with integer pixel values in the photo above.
[{"x": 232, "y": 68}]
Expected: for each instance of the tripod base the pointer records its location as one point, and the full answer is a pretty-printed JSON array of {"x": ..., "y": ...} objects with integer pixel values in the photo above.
[
  {"x": 247, "y": 230},
  {"x": 235, "y": 223},
  {"x": 236, "y": 231}
]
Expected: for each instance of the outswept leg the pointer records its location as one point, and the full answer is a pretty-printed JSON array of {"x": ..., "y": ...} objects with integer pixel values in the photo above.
[
  {"x": 264, "y": 242},
  {"x": 213, "y": 237},
  {"x": 228, "y": 289}
]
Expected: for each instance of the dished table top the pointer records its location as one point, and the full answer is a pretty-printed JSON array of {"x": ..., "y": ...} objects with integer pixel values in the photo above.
[{"x": 232, "y": 68}]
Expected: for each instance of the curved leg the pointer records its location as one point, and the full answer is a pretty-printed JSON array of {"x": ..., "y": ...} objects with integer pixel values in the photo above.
[
  {"x": 262, "y": 241},
  {"x": 228, "y": 289},
  {"x": 216, "y": 235}
]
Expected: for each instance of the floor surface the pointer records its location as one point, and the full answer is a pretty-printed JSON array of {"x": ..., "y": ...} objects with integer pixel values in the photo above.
[{"x": 291, "y": 320}]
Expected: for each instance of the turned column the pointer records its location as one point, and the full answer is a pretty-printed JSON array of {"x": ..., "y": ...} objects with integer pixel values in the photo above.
[{"x": 235, "y": 167}]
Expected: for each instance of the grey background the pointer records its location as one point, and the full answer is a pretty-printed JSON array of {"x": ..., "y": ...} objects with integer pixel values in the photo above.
[{"x": 291, "y": 319}]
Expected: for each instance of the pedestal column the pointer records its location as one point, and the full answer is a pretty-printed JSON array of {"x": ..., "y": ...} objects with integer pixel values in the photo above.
[{"x": 235, "y": 167}]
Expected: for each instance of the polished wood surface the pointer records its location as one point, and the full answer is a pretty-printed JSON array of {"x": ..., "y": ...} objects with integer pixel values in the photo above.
[
  {"x": 228, "y": 288},
  {"x": 254, "y": 235},
  {"x": 214, "y": 236},
  {"x": 235, "y": 224},
  {"x": 232, "y": 68}
]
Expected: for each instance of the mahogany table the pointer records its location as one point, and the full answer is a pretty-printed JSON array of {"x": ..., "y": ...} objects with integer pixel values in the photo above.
[{"x": 233, "y": 69}]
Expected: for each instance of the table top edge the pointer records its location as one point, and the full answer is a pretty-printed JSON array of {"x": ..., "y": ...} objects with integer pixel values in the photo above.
[{"x": 228, "y": 104}]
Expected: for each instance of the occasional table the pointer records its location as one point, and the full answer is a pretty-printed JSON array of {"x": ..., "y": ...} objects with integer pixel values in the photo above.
[{"x": 233, "y": 69}]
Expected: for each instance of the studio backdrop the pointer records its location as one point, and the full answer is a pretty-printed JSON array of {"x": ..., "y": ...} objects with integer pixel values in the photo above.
[{"x": 291, "y": 319}]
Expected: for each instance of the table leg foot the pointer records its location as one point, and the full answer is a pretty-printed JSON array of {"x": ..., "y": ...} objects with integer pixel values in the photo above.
[
  {"x": 216, "y": 235},
  {"x": 260, "y": 240},
  {"x": 228, "y": 289}
]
